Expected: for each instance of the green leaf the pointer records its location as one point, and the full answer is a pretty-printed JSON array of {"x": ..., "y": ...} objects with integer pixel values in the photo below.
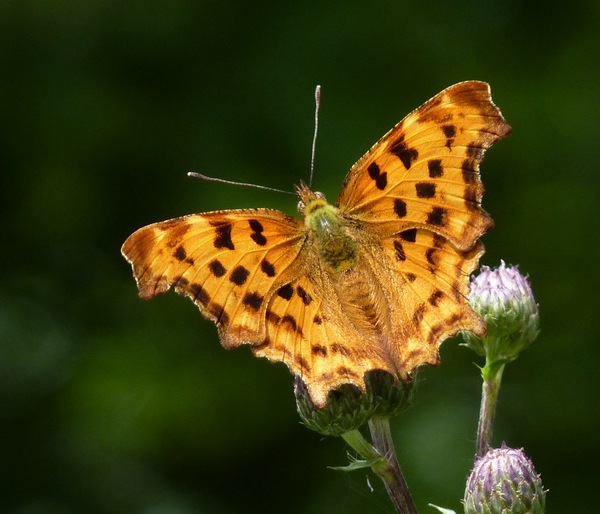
[
  {"x": 441, "y": 509},
  {"x": 358, "y": 464}
]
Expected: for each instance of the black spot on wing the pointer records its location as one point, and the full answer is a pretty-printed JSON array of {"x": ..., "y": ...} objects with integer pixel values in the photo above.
[
  {"x": 217, "y": 268},
  {"x": 434, "y": 334},
  {"x": 223, "y": 235},
  {"x": 400, "y": 255},
  {"x": 273, "y": 317},
  {"x": 291, "y": 321},
  {"x": 257, "y": 232},
  {"x": 450, "y": 133},
  {"x": 449, "y": 130},
  {"x": 438, "y": 241},
  {"x": 346, "y": 372},
  {"x": 471, "y": 200},
  {"x": 180, "y": 282},
  {"x": 319, "y": 350},
  {"x": 286, "y": 291},
  {"x": 379, "y": 178},
  {"x": 253, "y": 300},
  {"x": 406, "y": 154},
  {"x": 409, "y": 235},
  {"x": 341, "y": 349},
  {"x": 180, "y": 254},
  {"x": 258, "y": 238},
  {"x": 411, "y": 277},
  {"x": 435, "y": 168},
  {"x": 469, "y": 165},
  {"x": 430, "y": 256},
  {"x": 400, "y": 207},
  {"x": 218, "y": 311},
  {"x": 304, "y": 296},
  {"x": 255, "y": 225},
  {"x": 302, "y": 362},
  {"x": 425, "y": 189},
  {"x": 437, "y": 216},
  {"x": 435, "y": 297},
  {"x": 267, "y": 268},
  {"x": 239, "y": 275},
  {"x": 475, "y": 151}
]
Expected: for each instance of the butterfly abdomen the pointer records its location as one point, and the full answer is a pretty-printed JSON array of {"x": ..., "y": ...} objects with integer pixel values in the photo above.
[{"x": 363, "y": 302}]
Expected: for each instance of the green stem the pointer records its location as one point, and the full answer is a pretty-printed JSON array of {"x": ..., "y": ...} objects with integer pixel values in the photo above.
[
  {"x": 383, "y": 461},
  {"x": 361, "y": 446},
  {"x": 492, "y": 377}
]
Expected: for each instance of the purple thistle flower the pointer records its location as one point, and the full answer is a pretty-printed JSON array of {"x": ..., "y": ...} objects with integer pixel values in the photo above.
[
  {"x": 504, "y": 481},
  {"x": 503, "y": 297}
]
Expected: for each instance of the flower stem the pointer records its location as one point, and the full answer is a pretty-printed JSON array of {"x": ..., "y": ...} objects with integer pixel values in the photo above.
[
  {"x": 381, "y": 457},
  {"x": 390, "y": 471},
  {"x": 361, "y": 446},
  {"x": 492, "y": 377}
]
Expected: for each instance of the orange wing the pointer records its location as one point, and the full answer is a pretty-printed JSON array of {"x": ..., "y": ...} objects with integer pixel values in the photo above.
[
  {"x": 416, "y": 198},
  {"x": 308, "y": 330},
  {"x": 425, "y": 171},
  {"x": 230, "y": 263},
  {"x": 255, "y": 274}
]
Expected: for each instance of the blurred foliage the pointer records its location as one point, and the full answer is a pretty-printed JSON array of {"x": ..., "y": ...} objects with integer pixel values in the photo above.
[{"x": 110, "y": 404}]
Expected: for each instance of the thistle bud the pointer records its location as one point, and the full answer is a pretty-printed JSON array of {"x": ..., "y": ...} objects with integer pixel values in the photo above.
[
  {"x": 348, "y": 408},
  {"x": 504, "y": 299},
  {"x": 504, "y": 481}
]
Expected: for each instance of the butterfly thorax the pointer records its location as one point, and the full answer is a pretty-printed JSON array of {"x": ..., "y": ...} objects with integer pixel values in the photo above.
[{"x": 336, "y": 248}]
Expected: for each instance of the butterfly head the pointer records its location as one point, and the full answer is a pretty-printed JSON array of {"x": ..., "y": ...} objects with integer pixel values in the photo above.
[{"x": 309, "y": 200}]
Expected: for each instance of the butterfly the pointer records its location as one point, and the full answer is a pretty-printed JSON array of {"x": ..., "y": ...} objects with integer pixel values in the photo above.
[{"x": 375, "y": 282}]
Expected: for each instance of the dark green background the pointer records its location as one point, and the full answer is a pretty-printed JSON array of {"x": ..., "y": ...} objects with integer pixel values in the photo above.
[{"x": 112, "y": 405}]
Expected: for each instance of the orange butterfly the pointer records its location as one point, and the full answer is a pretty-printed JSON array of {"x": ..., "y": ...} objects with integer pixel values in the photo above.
[{"x": 377, "y": 281}]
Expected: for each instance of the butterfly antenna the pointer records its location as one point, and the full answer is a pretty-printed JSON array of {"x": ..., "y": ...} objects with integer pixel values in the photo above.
[
  {"x": 200, "y": 176},
  {"x": 314, "y": 142}
]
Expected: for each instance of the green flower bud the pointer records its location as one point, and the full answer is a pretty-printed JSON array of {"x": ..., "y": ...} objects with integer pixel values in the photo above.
[
  {"x": 504, "y": 299},
  {"x": 348, "y": 408},
  {"x": 504, "y": 481}
]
